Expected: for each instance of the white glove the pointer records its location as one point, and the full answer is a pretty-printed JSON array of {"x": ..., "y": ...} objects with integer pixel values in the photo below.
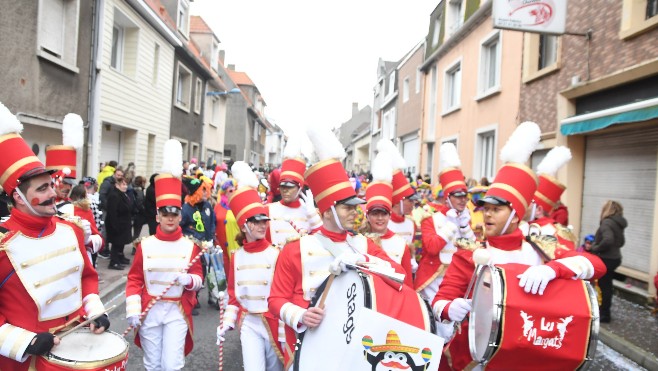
[
  {"x": 340, "y": 263},
  {"x": 535, "y": 278},
  {"x": 184, "y": 279},
  {"x": 448, "y": 231},
  {"x": 86, "y": 228},
  {"x": 133, "y": 321},
  {"x": 96, "y": 243},
  {"x": 414, "y": 265},
  {"x": 221, "y": 331},
  {"x": 458, "y": 309},
  {"x": 307, "y": 202},
  {"x": 464, "y": 218}
]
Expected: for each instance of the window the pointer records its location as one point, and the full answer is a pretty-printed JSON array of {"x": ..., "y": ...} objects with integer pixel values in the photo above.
[
  {"x": 58, "y": 32},
  {"x": 638, "y": 17},
  {"x": 156, "y": 64},
  {"x": 183, "y": 17},
  {"x": 405, "y": 90},
  {"x": 183, "y": 87},
  {"x": 430, "y": 158},
  {"x": 652, "y": 9},
  {"x": 489, "y": 65},
  {"x": 431, "y": 122},
  {"x": 486, "y": 154},
  {"x": 455, "y": 15},
  {"x": 125, "y": 37},
  {"x": 541, "y": 55},
  {"x": 390, "y": 88},
  {"x": 117, "y": 48},
  {"x": 452, "y": 88},
  {"x": 418, "y": 76},
  {"x": 388, "y": 128},
  {"x": 436, "y": 32},
  {"x": 198, "y": 94},
  {"x": 547, "y": 51}
]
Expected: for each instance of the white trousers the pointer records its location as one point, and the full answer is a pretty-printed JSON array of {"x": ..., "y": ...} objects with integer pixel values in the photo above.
[
  {"x": 258, "y": 353},
  {"x": 163, "y": 338}
]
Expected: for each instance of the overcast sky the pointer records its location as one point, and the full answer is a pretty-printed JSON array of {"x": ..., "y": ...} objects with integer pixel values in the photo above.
[{"x": 310, "y": 59}]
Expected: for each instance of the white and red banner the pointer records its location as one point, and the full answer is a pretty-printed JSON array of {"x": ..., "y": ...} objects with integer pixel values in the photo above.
[{"x": 538, "y": 16}]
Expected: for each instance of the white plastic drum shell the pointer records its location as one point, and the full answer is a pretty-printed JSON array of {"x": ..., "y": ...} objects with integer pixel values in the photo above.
[{"x": 486, "y": 314}]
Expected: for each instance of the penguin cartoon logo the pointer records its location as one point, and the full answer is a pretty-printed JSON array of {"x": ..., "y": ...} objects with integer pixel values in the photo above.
[{"x": 393, "y": 356}]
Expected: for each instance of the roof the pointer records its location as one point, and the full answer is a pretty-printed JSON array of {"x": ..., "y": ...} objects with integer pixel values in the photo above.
[
  {"x": 157, "y": 7},
  {"x": 197, "y": 24},
  {"x": 240, "y": 78}
]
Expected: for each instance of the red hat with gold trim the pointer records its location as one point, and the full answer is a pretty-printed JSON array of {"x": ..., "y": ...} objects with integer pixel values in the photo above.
[
  {"x": 293, "y": 165},
  {"x": 450, "y": 174},
  {"x": 245, "y": 201},
  {"x": 379, "y": 194},
  {"x": 401, "y": 187},
  {"x": 63, "y": 158},
  {"x": 18, "y": 162},
  {"x": 327, "y": 179},
  {"x": 515, "y": 183},
  {"x": 168, "y": 184},
  {"x": 550, "y": 189}
]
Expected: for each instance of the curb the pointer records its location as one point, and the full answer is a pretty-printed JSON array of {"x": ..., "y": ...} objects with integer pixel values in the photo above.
[
  {"x": 629, "y": 350},
  {"x": 113, "y": 290}
]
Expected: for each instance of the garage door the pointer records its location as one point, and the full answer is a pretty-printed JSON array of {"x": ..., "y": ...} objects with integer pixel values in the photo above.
[
  {"x": 411, "y": 153},
  {"x": 111, "y": 145},
  {"x": 622, "y": 167}
]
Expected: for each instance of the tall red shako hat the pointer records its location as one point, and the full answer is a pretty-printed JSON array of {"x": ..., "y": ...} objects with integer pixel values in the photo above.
[
  {"x": 327, "y": 179},
  {"x": 168, "y": 182},
  {"x": 379, "y": 193},
  {"x": 450, "y": 173},
  {"x": 293, "y": 165},
  {"x": 550, "y": 189},
  {"x": 401, "y": 187},
  {"x": 17, "y": 162},
  {"x": 245, "y": 201},
  {"x": 515, "y": 183},
  {"x": 62, "y": 158}
]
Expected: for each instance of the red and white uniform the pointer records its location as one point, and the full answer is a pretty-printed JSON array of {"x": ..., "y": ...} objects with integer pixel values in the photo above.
[
  {"x": 261, "y": 333},
  {"x": 302, "y": 267},
  {"x": 166, "y": 331},
  {"x": 549, "y": 227},
  {"x": 398, "y": 250},
  {"x": 509, "y": 248},
  {"x": 403, "y": 226},
  {"x": 283, "y": 216},
  {"x": 48, "y": 283}
]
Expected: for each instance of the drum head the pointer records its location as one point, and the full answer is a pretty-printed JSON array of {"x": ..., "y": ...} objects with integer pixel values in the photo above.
[
  {"x": 85, "y": 346},
  {"x": 485, "y": 314}
]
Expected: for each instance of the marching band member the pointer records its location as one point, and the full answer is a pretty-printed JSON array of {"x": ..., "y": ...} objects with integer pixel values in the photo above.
[
  {"x": 505, "y": 204},
  {"x": 165, "y": 334},
  {"x": 47, "y": 282},
  {"x": 546, "y": 199},
  {"x": 378, "y": 214},
  {"x": 251, "y": 269},
  {"x": 295, "y": 213},
  {"x": 62, "y": 160},
  {"x": 304, "y": 264}
]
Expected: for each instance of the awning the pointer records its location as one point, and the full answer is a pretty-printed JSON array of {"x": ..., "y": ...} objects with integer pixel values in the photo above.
[{"x": 634, "y": 112}]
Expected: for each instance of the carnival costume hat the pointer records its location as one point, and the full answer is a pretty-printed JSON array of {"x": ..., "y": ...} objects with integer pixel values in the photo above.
[
  {"x": 18, "y": 162},
  {"x": 168, "y": 182},
  {"x": 293, "y": 165},
  {"x": 245, "y": 201},
  {"x": 450, "y": 173},
  {"x": 327, "y": 179},
  {"x": 63, "y": 158},
  {"x": 394, "y": 344},
  {"x": 515, "y": 183},
  {"x": 379, "y": 194},
  {"x": 401, "y": 187},
  {"x": 550, "y": 189}
]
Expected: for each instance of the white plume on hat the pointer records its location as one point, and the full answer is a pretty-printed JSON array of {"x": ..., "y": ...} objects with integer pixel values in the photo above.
[
  {"x": 397, "y": 161},
  {"x": 325, "y": 143},
  {"x": 448, "y": 156},
  {"x": 8, "y": 122},
  {"x": 244, "y": 176},
  {"x": 172, "y": 158},
  {"x": 293, "y": 147},
  {"x": 72, "y": 131},
  {"x": 554, "y": 160},
  {"x": 521, "y": 143},
  {"x": 382, "y": 169}
]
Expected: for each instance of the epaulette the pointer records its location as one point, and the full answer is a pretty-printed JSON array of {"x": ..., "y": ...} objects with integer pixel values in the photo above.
[
  {"x": 426, "y": 214},
  {"x": 466, "y": 244},
  {"x": 195, "y": 241},
  {"x": 139, "y": 240},
  {"x": 375, "y": 237},
  {"x": 292, "y": 239},
  {"x": 547, "y": 243},
  {"x": 71, "y": 219},
  {"x": 3, "y": 233},
  {"x": 565, "y": 232}
]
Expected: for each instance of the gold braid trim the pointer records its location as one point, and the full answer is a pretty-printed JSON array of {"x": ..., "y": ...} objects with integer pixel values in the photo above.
[
  {"x": 375, "y": 237},
  {"x": 139, "y": 240},
  {"x": 547, "y": 243},
  {"x": 76, "y": 220},
  {"x": 194, "y": 240},
  {"x": 565, "y": 233},
  {"x": 466, "y": 244},
  {"x": 292, "y": 239}
]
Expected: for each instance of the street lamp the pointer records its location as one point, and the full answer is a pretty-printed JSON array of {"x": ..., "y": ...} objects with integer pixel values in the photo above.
[{"x": 232, "y": 91}]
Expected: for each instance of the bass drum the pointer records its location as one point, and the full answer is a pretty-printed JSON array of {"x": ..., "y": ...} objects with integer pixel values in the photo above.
[
  {"x": 554, "y": 331},
  {"x": 84, "y": 350},
  {"x": 320, "y": 348}
]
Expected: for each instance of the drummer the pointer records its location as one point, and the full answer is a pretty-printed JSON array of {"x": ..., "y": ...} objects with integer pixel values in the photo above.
[
  {"x": 161, "y": 260},
  {"x": 331, "y": 248},
  {"x": 505, "y": 205},
  {"x": 38, "y": 247},
  {"x": 250, "y": 277}
]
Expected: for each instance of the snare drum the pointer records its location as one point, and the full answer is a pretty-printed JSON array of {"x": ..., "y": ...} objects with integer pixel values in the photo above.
[
  {"x": 510, "y": 329},
  {"x": 322, "y": 347},
  {"x": 84, "y": 350}
]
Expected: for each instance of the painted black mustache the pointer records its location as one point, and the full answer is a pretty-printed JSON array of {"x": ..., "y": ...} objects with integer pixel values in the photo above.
[{"x": 48, "y": 202}]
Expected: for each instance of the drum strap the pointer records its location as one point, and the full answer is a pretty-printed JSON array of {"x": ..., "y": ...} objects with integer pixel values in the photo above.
[
  {"x": 538, "y": 249},
  {"x": 328, "y": 245},
  {"x": 4, "y": 230}
]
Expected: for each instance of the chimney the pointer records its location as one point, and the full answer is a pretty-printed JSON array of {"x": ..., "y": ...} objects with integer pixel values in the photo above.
[
  {"x": 231, "y": 67},
  {"x": 355, "y": 108},
  {"x": 222, "y": 54}
]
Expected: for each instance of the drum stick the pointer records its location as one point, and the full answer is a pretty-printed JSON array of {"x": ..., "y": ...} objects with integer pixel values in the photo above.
[
  {"x": 86, "y": 322},
  {"x": 157, "y": 298},
  {"x": 221, "y": 322},
  {"x": 330, "y": 280}
]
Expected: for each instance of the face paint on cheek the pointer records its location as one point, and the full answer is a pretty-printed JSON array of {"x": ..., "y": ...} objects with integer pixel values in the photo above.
[{"x": 35, "y": 202}]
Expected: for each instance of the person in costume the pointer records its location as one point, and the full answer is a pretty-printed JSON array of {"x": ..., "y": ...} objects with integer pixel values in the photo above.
[
  {"x": 293, "y": 286},
  {"x": 450, "y": 221},
  {"x": 378, "y": 214},
  {"x": 505, "y": 205},
  {"x": 62, "y": 160},
  {"x": 82, "y": 209},
  {"x": 295, "y": 214},
  {"x": 163, "y": 259},
  {"x": 252, "y": 268},
  {"x": 39, "y": 247}
]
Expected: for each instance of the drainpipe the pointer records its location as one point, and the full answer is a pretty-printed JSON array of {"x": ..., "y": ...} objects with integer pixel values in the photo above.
[{"x": 93, "y": 112}]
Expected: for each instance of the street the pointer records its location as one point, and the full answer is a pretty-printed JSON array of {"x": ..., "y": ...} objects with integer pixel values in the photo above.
[{"x": 205, "y": 354}]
